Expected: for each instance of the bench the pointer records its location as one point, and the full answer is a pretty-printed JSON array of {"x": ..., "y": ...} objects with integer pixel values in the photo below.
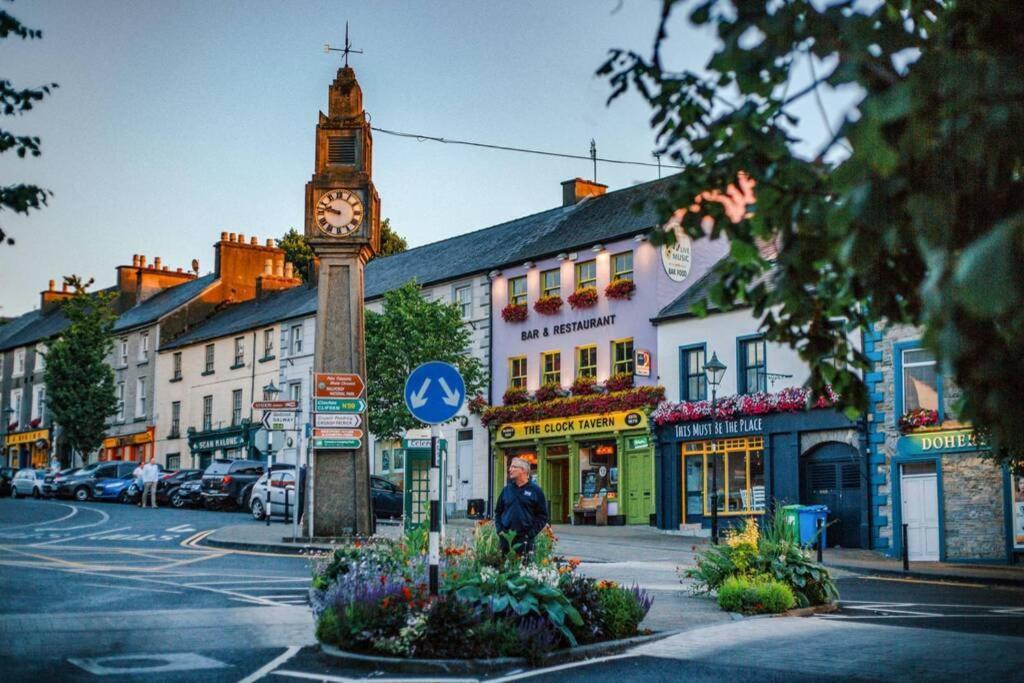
[{"x": 591, "y": 508}]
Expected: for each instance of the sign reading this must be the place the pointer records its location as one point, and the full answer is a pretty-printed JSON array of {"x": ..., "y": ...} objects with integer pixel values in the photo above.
[{"x": 572, "y": 426}]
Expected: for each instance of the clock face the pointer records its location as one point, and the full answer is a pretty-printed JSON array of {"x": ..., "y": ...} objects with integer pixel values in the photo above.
[{"x": 338, "y": 213}]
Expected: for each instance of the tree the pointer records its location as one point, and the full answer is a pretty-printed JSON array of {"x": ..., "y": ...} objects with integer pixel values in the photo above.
[
  {"x": 390, "y": 241},
  {"x": 411, "y": 331},
  {"x": 297, "y": 252},
  {"x": 79, "y": 382},
  {"x": 21, "y": 197},
  {"x": 911, "y": 212}
]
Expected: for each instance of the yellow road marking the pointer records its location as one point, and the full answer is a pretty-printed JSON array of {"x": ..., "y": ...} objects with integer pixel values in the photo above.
[
  {"x": 900, "y": 579},
  {"x": 192, "y": 542}
]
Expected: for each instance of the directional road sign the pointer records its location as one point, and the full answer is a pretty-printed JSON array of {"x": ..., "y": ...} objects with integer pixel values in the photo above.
[
  {"x": 339, "y": 405},
  {"x": 337, "y": 433},
  {"x": 337, "y": 443},
  {"x": 337, "y": 420},
  {"x": 275, "y": 405},
  {"x": 434, "y": 392},
  {"x": 279, "y": 419},
  {"x": 335, "y": 385}
]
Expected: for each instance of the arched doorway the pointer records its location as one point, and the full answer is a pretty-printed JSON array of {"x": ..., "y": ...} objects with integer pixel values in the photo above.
[{"x": 830, "y": 475}]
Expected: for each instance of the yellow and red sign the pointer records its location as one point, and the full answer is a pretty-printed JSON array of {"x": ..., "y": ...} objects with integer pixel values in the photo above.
[{"x": 27, "y": 437}]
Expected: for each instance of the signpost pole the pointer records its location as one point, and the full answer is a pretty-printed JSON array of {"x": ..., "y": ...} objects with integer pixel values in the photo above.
[
  {"x": 435, "y": 508},
  {"x": 298, "y": 475}
]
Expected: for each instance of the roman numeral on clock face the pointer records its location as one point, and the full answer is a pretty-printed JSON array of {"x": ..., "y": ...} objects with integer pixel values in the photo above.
[{"x": 322, "y": 222}]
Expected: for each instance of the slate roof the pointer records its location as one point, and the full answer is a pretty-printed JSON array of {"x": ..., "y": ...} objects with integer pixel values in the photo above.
[
  {"x": 14, "y": 328},
  {"x": 273, "y": 308},
  {"x": 161, "y": 304},
  {"x": 35, "y": 326},
  {"x": 681, "y": 305}
]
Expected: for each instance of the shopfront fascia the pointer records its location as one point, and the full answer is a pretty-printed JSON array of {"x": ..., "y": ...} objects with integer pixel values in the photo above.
[
  {"x": 585, "y": 455},
  {"x": 754, "y": 460},
  {"x": 28, "y": 449},
  {"x": 136, "y": 447},
  {"x": 232, "y": 443}
]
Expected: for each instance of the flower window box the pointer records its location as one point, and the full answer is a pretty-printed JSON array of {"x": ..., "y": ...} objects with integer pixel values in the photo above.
[
  {"x": 583, "y": 298},
  {"x": 620, "y": 289},
  {"x": 514, "y": 313},
  {"x": 548, "y": 305}
]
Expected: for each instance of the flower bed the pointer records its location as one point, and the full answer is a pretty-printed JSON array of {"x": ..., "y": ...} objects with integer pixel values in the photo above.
[
  {"x": 789, "y": 400},
  {"x": 583, "y": 298},
  {"x": 918, "y": 418},
  {"x": 514, "y": 313},
  {"x": 620, "y": 289},
  {"x": 638, "y": 398},
  {"x": 762, "y": 571},
  {"x": 373, "y": 599},
  {"x": 548, "y": 305}
]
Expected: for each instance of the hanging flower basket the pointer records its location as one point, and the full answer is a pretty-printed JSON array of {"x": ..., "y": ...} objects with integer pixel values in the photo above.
[
  {"x": 620, "y": 289},
  {"x": 514, "y": 396},
  {"x": 12, "y": 426},
  {"x": 548, "y": 305},
  {"x": 583, "y": 298},
  {"x": 36, "y": 422},
  {"x": 619, "y": 382},
  {"x": 514, "y": 313},
  {"x": 477, "y": 405},
  {"x": 918, "y": 418}
]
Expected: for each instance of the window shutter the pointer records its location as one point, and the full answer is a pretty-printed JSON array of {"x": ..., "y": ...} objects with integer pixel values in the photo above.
[{"x": 341, "y": 150}]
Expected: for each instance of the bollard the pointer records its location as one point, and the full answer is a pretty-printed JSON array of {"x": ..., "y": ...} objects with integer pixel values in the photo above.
[
  {"x": 906, "y": 550},
  {"x": 266, "y": 510},
  {"x": 821, "y": 530}
]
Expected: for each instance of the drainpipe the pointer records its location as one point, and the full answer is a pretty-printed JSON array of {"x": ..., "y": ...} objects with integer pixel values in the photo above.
[
  {"x": 490, "y": 396},
  {"x": 252, "y": 397},
  {"x": 866, "y": 446}
]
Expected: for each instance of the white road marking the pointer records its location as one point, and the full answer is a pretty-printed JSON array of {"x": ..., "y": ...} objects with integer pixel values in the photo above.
[
  {"x": 178, "y": 661},
  {"x": 271, "y": 665},
  {"x": 72, "y": 538},
  {"x": 74, "y": 511},
  {"x": 346, "y": 679},
  {"x": 250, "y": 582},
  {"x": 894, "y": 608},
  {"x": 104, "y": 520},
  {"x": 180, "y": 529},
  {"x": 132, "y": 588},
  {"x": 560, "y": 667}
]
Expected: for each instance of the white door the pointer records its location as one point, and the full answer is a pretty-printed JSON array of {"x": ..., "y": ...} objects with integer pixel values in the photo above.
[
  {"x": 464, "y": 456},
  {"x": 921, "y": 515}
]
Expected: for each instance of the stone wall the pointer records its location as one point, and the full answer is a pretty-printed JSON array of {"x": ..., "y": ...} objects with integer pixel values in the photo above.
[{"x": 973, "y": 508}]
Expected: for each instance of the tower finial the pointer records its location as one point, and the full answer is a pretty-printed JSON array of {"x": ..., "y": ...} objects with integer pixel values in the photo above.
[{"x": 345, "y": 50}]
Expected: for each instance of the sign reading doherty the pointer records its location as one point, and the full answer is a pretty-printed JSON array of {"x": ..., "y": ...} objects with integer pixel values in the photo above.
[{"x": 572, "y": 426}]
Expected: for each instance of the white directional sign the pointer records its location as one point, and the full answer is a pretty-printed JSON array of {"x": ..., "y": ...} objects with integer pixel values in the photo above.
[
  {"x": 279, "y": 420},
  {"x": 337, "y": 420}
]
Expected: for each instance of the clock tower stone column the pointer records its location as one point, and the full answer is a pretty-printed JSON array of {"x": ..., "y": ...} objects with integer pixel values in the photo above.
[{"x": 343, "y": 228}]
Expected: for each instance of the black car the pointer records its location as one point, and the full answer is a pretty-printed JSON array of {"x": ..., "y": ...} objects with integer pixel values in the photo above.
[
  {"x": 81, "y": 485},
  {"x": 388, "y": 499},
  {"x": 52, "y": 479},
  {"x": 188, "y": 494},
  {"x": 6, "y": 475},
  {"x": 225, "y": 482},
  {"x": 165, "y": 486}
]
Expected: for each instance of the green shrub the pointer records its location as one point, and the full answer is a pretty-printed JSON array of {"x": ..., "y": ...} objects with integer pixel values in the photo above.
[
  {"x": 761, "y": 595},
  {"x": 776, "y": 597},
  {"x": 622, "y": 612},
  {"x": 714, "y": 566},
  {"x": 328, "y": 630}
]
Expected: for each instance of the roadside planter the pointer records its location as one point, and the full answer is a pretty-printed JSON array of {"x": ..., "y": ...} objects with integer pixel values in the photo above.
[{"x": 370, "y": 600}]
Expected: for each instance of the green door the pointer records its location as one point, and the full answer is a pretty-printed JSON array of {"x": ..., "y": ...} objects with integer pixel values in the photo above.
[{"x": 639, "y": 487}]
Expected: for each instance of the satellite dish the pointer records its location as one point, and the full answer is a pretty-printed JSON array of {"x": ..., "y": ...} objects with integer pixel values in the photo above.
[{"x": 195, "y": 266}]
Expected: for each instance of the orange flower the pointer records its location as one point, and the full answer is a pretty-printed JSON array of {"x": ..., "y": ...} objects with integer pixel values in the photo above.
[
  {"x": 406, "y": 593},
  {"x": 574, "y": 562},
  {"x": 385, "y": 602}
]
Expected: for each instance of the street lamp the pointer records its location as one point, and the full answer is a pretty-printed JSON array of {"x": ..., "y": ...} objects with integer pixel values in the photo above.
[
  {"x": 714, "y": 370},
  {"x": 270, "y": 392}
]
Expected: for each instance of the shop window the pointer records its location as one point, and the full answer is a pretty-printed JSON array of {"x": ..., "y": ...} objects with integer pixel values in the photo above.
[
  {"x": 599, "y": 469},
  {"x": 921, "y": 381},
  {"x": 551, "y": 367},
  {"x": 622, "y": 266},
  {"x": 693, "y": 382},
  {"x": 622, "y": 356},
  {"x": 517, "y": 372},
  {"x": 738, "y": 467},
  {"x": 517, "y": 290},
  {"x": 753, "y": 372},
  {"x": 586, "y": 361},
  {"x": 527, "y": 453},
  {"x": 551, "y": 282},
  {"x": 586, "y": 274}
]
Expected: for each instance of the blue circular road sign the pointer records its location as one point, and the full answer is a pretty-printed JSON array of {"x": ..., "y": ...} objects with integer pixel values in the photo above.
[{"x": 434, "y": 392}]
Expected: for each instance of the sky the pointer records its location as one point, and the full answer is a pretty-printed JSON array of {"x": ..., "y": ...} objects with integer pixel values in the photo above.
[{"x": 177, "y": 120}]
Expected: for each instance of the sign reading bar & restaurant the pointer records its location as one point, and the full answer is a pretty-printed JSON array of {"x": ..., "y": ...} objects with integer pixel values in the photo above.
[{"x": 572, "y": 426}]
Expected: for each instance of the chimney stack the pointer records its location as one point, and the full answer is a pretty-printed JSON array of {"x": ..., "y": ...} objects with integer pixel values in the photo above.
[
  {"x": 51, "y": 298},
  {"x": 156, "y": 263},
  {"x": 289, "y": 270},
  {"x": 142, "y": 260},
  {"x": 254, "y": 241},
  {"x": 575, "y": 190},
  {"x": 51, "y": 285}
]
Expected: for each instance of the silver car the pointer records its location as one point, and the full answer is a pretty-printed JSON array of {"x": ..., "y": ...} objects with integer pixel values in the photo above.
[{"x": 28, "y": 482}]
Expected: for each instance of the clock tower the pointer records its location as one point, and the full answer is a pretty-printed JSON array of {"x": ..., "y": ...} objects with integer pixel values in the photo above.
[{"x": 343, "y": 229}]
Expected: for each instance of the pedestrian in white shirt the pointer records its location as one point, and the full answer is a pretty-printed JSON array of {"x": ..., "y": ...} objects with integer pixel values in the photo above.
[
  {"x": 150, "y": 476},
  {"x": 137, "y": 474}
]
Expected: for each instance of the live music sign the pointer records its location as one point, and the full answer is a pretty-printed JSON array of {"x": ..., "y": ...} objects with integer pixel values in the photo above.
[{"x": 337, "y": 385}]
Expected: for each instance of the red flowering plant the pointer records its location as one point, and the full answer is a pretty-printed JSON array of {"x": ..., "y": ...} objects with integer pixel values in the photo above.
[
  {"x": 514, "y": 313},
  {"x": 12, "y": 426},
  {"x": 549, "y": 391},
  {"x": 918, "y": 418},
  {"x": 639, "y": 398},
  {"x": 548, "y": 305},
  {"x": 477, "y": 405},
  {"x": 620, "y": 289},
  {"x": 514, "y": 396},
  {"x": 789, "y": 400},
  {"x": 619, "y": 382},
  {"x": 36, "y": 422},
  {"x": 583, "y": 298},
  {"x": 583, "y": 386}
]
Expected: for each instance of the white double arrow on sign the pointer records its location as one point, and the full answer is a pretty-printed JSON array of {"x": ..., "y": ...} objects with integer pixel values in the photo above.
[{"x": 418, "y": 398}]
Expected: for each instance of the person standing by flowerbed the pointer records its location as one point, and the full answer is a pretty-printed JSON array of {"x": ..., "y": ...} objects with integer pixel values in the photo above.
[{"x": 521, "y": 509}]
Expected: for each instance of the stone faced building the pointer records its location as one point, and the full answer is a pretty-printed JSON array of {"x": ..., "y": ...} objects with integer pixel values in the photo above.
[{"x": 933, "y": 477}]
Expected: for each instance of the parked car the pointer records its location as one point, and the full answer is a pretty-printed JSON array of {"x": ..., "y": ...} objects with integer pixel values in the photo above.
[
  {"x": 388, "y": 499},
  {"x": 81, "y": 485},
  {"x": 279, "y": 483},
  {"x": 114, "y": 489},
  {"x": 6, "y": 476},
  {"x": 225, "y": 482},
  {"x": 52, "y": 479},
  {"x": 188, "y": 494},
  {"x": 165, "y": 486},
  {"x": 28, "y": 482}
]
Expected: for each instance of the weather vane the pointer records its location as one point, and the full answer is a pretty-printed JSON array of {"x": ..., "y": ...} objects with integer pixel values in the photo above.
[{"x": 346, "y": 50}]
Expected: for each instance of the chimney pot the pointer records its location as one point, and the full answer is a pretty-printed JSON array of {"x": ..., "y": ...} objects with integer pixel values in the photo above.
[
  {"x": 268, "y": 267},
  {"x": 241, "y": 238},
  {"x": 156, "y": 263},
  {"x": 270, "y": 242},
  {"x": 254, "y": 241},
  {"x": 279, "y": 268},
  {"x": 166, "y": 267},
  {"x": 576, "y": 189},
  {"x": 51, "y": 285},
  {"x": 178, "y": 270},
  {"x": 142, "y": 260},
  {"x": 223, "y": 236},
  {"x": 231, "y": 237},
  {"x": 289, "y": 270}
]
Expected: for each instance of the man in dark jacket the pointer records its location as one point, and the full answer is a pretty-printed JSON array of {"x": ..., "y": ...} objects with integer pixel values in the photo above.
[{"x": 521, "y": 508}]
